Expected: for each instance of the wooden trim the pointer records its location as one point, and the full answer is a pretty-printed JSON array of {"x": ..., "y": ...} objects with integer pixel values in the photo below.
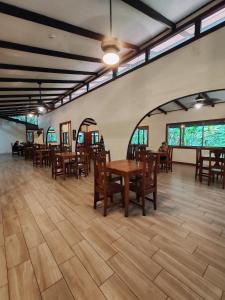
[{"x": 69, "y": 132}]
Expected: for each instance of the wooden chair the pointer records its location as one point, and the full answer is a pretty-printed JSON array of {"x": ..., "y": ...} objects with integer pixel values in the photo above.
[
  {"x": 103, "y": 187},
  {"x": 14, "y": 151},
  {"x": 169, "y": 160},
  {"x": 112, "y": 177},
  {"x": 82, "y": 163},
  {"x": 57, "y": 167},
  {"x": 37, "y": 158},
  {"x": 216, "y": 167},
  {"x": 203, "y": 169},
  {"x": 148, "y": 182}
]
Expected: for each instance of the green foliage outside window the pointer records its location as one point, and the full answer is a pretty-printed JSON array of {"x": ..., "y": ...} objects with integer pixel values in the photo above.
[
  {"x": 214, "y": 136},
  {"x": 192, "y": 136},
  {"x": 81, "y": 137},
  {"x": 199, "y": 135},
  {"x": 51, "y": 136},
  {"x": 174, "y": 136},
  {"x": 140, "y": 136},
  {"x": 29, "y": 119},
  {"x": 94, "y": 137}
]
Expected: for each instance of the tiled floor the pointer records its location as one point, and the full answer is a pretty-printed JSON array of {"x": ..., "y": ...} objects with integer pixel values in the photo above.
[{"x": 54, "y": 245}]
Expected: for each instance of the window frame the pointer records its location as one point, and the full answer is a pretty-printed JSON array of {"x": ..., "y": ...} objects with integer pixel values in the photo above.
[
  {"x": 144, "y": 128},
  {"x": 189, "y": 123}
]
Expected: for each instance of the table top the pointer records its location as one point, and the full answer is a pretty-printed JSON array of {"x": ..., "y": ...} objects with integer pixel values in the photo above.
[{"x": 125, "y": 166}]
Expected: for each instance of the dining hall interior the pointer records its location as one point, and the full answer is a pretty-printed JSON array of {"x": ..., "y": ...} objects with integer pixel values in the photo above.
[{"x": 112, "y": 150}]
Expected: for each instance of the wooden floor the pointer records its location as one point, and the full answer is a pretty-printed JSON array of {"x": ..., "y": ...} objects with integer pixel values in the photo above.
[{"x": 54, "y": 245}]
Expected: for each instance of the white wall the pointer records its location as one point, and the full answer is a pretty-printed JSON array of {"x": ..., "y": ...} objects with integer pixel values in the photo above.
[
  {"x": 118, "y": 106},
  {"x": 9, "y": 133},
  {"x": 157, "y": 127}
]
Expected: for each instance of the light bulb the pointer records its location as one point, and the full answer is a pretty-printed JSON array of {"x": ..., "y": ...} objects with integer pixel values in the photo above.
[
  {"x": 30, "y": 115},
  {"x": 198, "y": 105},
  {"x": 41, "y": 109},
  {"x": 111, "y": 58}
]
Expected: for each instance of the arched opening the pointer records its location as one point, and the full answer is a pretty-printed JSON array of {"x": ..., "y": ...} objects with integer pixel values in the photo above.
[
  {"x": 51, "y": 137},
  {"x": 192, "y": 122},
  {"x": 89, "y": 135}
]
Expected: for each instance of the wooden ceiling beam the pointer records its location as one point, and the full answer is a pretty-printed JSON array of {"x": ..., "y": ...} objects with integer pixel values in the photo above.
[
  {"x": 181, "y": 105},
  {"x": 28, "y": 15},
  {"x": 34, "y": 80},
  {"x": 162, "y": 110},
  {"x": 44, "y": 51},
  {"x": 44, "y": 70},
  {"x": 26, "y": 89},
  {"x": 27, "y": 95},
  {"x": 150, "y": 12}
]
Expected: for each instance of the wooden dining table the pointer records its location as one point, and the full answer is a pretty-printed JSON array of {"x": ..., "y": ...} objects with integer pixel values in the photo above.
[
  {"x": 125, "y": 168},
  {"x": 65, "y": 156}
]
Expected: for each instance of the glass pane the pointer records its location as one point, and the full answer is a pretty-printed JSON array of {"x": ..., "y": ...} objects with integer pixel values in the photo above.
[
  {"x": 81, "y": 137},
  {"x": 32, "y": 119},
  {"x": 51, "y": 137},
  {"x": 131, "y": 64},
  {"x": 145, "y": 137},
  {"x": 20, "y": 118},
  {"x": 214, "y": 136},
  {"x": 141, "y": 136},
  {"x": 177, "y": 39},
  {"x": 192, "y": 136},
  {"x": 213, "y": 20},
  {"x": 30, "y": 136},
  {"x": 96, "y": 137},
  {"x": 174, "y": 136},
  {"x": 134, "y": 140},
  {"x": 100, "y": 80}
]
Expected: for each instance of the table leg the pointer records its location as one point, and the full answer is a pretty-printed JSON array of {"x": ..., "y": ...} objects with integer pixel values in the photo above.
[
  {"x": 126, "y": 193},
  {"x": 64, "y": 169}
]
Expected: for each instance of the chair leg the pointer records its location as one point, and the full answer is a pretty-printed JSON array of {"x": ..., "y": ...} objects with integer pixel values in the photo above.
[
  {"x": 143, "y": 204},
  {"x": 154, "y": 200},
  {"x": 96, "y": 198},
  {"x": 105, "y": 205}
]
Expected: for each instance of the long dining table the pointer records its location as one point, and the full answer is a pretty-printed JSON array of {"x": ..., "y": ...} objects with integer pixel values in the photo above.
[
  {"x": 65, "y": 156},
  {"x": 125, "y": 168}
]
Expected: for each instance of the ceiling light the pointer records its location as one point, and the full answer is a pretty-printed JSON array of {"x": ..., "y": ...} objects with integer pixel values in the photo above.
[
  {"x": 111, "y": 49},
  {"x": 41, "y": 109},
  {"x": 198, "y": 105},
  {"x": 110, "y": 46},
  {"x": 51, "y": 36},
  {"x": 30, "y": 115}
]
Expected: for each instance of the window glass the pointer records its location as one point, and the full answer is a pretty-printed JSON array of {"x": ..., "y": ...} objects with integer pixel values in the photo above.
[
  {"x": 199, "y": 135},
  {"x": 174, "y": 136},
  {"x": 29, "y": 119},
  {"x": 140, "y": 136},
  {"x": 172, "y": 42},
  {"x": 100, "y": 80},
  {"x": 94, "y": 137},
  {"x": 214, "y": 136},
  {"x": 192, "y": 136},
  {"x": 213, "y": 20},
  {"x": 81, "y": 137},
  {"x": 131, "y": 64},
  {"x": 79, "y": 92},
  {"x": 30, "y": 136},
  {"x": 51, "y": 136},
  {"x": 134, "y": 140},
  {"x": 57, "y": 104}
]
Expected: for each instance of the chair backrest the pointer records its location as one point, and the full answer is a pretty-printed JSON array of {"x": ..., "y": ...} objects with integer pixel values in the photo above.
[
  {"x": 150, "y": 169},
  {"x": 100, "y": 171},
  {"x": 170, "y": 153}
]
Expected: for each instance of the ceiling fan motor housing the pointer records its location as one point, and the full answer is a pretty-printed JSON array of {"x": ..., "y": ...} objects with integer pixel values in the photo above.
[{"x": 110, "y": 44}]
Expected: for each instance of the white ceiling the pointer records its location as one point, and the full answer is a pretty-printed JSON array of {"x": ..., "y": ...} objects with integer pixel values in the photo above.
[{"x": 129, "y": 25}]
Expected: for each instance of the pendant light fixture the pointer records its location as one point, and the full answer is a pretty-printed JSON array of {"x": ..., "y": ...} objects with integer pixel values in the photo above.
[
  {"x": 110, "y": 46},
  {"x": 40, "y": 108},
  {"x": 30, "y": 114},
  {"x": 199, "y": 101}
]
